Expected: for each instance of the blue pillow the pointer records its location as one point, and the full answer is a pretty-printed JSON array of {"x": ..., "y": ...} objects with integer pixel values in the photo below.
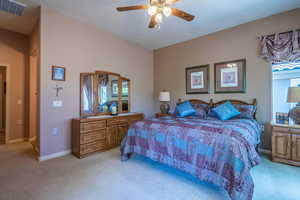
[
  {"x": 226, "y": 111},
  {"x": 185, "y": 109}
]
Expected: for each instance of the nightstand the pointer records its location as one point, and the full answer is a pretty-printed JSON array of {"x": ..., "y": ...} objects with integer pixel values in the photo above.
[
  {"x": 286, "y": 143},
  {"x": 158, "y": 115}
]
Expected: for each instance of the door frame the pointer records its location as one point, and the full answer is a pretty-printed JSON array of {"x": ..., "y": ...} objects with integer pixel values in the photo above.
[{"x": 7, "y": 110}]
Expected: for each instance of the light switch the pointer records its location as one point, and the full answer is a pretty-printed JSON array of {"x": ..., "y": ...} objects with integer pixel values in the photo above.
[
  {"x": 57, "y": 104},
  {"x": 19, "y": 102}
]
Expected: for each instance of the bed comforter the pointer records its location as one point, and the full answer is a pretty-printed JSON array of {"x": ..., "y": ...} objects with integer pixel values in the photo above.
[{"x": 219, "y": 152}]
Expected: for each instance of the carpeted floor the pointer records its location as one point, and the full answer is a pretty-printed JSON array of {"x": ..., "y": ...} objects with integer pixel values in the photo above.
[{"x": 103, "y": 177}]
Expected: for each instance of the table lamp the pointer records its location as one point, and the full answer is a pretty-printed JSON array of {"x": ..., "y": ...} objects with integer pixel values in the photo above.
[{"x": 164, "y": 98}]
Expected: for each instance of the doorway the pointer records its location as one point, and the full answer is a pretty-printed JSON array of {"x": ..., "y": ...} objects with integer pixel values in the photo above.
[{"x": 3, "y": 91}]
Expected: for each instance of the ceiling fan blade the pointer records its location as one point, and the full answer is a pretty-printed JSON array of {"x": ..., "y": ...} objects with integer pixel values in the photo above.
[
  {"x": 182, "y": 14},
  {"x": 172, "y": 1},
  {"x": 152, "y": 22},
  {"x": 129, "y": 8}
]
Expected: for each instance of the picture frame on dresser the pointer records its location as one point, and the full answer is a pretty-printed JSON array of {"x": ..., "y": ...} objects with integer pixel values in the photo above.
[
  {"x": 197, "y": 79},
  {"x": 230, "y": 76}
]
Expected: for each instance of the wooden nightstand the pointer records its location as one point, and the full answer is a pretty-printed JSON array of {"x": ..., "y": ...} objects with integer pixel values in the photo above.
[
  {"x": 158, "y": 115},
  {"x": 286, "y": 143}
]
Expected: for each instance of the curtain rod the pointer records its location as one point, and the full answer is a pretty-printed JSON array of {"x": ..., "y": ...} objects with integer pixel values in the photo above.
[{"x": 259, "y": 37}]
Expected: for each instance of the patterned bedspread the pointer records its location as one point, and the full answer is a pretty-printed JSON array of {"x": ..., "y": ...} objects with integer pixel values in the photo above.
[{"x": 219, "y": 152}]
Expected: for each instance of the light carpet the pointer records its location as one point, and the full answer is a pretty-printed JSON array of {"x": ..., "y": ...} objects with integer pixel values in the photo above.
[{"x": 104, "y": 177}]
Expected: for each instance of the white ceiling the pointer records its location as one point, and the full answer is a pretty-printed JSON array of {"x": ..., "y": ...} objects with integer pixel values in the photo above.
[{"x": 211, "y": 16}]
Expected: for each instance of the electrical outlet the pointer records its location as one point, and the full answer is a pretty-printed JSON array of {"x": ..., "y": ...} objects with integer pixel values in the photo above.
[
  {"x": 19, "y": 102},
  {"x": 54, "y": 131},
  {"x": 19, "y": 122}
]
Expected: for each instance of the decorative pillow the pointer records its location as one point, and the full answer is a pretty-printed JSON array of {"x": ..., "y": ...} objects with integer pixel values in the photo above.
[
  {"x": 201, "y": 110},
  {"x": 247, "y": 111},
  {"x": 185, "y": 109},
  {"x": 226, "y": 111}
]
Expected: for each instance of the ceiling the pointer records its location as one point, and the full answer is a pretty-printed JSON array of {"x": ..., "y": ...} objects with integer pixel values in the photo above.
[{"x": 211, "y": 16}]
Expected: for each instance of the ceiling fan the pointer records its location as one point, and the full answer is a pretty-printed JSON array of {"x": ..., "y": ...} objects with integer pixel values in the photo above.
[{"x": 157, "y": 9}]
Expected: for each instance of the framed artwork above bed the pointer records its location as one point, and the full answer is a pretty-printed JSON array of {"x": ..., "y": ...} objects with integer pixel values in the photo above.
[
  {"x": 230, "y": 77},
  {"x": 197, "y": 79}
]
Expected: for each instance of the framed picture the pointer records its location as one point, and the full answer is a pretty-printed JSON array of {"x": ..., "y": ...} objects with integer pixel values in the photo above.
[
  {"x": 197, "y": 79},
  {"x": 230, "y": 77},
  {"x": 58, "y": 73}
]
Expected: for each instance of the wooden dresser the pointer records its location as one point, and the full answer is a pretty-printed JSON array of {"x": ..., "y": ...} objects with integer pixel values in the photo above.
[
  {"x": 100, "y": 133},
  {"x": 286, "y": 143}
]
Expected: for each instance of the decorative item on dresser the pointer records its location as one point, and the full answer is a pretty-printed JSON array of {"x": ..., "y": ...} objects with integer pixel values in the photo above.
[
  {"x": 286, "y": 143},
  {"x": 164, "y": 98},
  {"x": 294, "y": 97},
  {"x": 100, "y": 133}
]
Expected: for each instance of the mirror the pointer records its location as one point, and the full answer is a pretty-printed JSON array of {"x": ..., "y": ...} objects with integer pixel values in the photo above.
[
  {"x": 107, "y": 92},
  {"x": 87, "y": 94},
  {"x": 125, "y": 85},
  {"x": 104, "y": 93}
]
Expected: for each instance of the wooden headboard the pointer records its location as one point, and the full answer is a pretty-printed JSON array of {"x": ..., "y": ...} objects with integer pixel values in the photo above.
[
  {"x": 212, "y": 104},
  {"x": 234, "y": 101},
  {"x": 195, "y": 101}
]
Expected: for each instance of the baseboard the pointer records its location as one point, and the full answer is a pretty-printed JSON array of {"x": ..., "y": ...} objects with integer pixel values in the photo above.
[
  {"x": 16, "y": 140},
  {"x": 265, "y": 151},
  {"x": 55, "y": 155}
]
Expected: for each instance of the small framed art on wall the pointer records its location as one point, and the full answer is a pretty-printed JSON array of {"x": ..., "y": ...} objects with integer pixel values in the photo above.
[{"x": 197, "y": 79}]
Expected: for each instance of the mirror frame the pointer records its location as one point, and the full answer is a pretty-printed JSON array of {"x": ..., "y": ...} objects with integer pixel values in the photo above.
[{"x": 96, "y": 95}]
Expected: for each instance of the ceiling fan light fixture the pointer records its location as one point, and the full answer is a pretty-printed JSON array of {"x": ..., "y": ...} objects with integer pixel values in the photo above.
[
  {"x": 159, "y": 18},
  {"x": 167, "y": 11},
  {"x": 152, "y": 10}
]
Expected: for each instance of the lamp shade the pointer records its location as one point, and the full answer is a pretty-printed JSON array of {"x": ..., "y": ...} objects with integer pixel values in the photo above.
[
  {"x": 164, "y": 96},
  {"x": 293, "y": 95}
]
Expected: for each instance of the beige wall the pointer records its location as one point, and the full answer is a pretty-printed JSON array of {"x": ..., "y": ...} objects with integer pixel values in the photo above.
[
  {"x": 14, "y": 52},
  {"x": 231, "y": 44},
  {"x": 83, "y": 48}
]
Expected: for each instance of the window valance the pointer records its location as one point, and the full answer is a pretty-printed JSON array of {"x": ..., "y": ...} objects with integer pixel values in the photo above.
[{"x": 281, "y": 47}]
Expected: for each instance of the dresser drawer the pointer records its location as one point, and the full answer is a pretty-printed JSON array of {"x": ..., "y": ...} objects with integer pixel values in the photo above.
[
  {"x": 135, "y": 118},
  {"x": 91, "y": 126},
  {"x": 281, "y": 129},
  {"x": 99, "y": 145},
  {"x": 92, "y": 136},
  {"x": 295, "y": 130},
  {"x": 113, "y": 122}
]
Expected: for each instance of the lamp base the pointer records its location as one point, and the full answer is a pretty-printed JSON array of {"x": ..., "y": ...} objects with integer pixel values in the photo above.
[
  {"x": 294, "y": 114},
  {"x": 164, "y": 108}
]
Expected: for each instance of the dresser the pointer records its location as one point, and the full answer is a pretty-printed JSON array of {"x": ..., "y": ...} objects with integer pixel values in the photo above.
[
  {"x": 100, "y": 133},
  {"x": 286, "y": 143}
]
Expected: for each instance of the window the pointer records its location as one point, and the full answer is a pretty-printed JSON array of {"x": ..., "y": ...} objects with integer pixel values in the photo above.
[{"x": 285, "y": 75}]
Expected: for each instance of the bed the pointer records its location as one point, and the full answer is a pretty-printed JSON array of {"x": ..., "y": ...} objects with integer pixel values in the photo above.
[{"x": 215, "y": 151}]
